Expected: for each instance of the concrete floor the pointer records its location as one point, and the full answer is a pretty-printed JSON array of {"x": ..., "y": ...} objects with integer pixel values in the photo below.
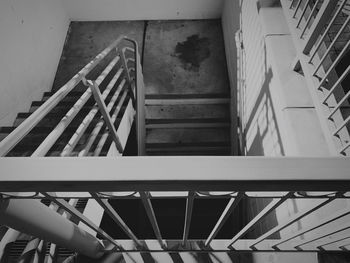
[
  {"x": 85, "y": 40},
  {"x": 185, "y": 57}
]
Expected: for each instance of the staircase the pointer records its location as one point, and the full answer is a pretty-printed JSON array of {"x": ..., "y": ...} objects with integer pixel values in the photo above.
[
  {"x": 187, "y": 124},
  {"x": 28, "y": 145},
  {"x": 189, "y": 114},
  {"x": 83, "y": 117}
]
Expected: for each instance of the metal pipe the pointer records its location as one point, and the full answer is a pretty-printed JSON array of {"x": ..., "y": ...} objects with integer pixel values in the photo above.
[{"x": 36, "y": 219}]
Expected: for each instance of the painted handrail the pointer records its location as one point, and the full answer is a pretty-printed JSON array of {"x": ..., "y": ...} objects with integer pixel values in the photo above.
[
  {"x": 8, "y": 143},
  {"x": 316, "y": 33},
  {"x": 254, "y": 178}
]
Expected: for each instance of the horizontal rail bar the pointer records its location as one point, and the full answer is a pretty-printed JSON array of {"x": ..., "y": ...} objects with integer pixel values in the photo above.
[
  {"x": 21, "y": 174},
  {"x": 196, "y": 245}
]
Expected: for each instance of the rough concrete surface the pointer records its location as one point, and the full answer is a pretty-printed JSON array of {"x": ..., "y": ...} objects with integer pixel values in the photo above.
[
  {"x": 88, "y": 39},
  {"x": 185, "y": 57}
]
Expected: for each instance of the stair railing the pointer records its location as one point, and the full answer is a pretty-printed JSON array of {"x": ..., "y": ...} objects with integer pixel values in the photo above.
[
  {"x": 320, "y": 31},
  {"x": 134, "y": 90},
  {"x": 322, "y": 182}
]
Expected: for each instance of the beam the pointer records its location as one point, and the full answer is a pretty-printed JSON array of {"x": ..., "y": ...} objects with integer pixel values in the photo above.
[
  {"x": 21, "y": 174},
  {"x": 34, "y": 218},
  {"x": 75, "y": 213}
]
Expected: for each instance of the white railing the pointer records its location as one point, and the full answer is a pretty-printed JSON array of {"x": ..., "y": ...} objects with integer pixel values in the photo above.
[
  {"x": 281, "y": 179},
  {"x": 128, "y": 92},
  {"x": 321, "y": 34}
]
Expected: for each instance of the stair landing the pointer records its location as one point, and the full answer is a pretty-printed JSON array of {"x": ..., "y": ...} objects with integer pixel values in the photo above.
[{"x": 187, "y": 89}]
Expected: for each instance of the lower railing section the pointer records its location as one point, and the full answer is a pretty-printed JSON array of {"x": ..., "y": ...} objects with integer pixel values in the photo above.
[
  {"x": 321, "y": 34},
  {"x": 317, "y": 188}
]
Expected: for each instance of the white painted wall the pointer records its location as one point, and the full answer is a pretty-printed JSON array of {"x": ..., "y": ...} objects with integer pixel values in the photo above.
[
  {"x": 93, "y": 10},
  {"x": 230, "y": 25},
  {"x": 32, "y": 34}
]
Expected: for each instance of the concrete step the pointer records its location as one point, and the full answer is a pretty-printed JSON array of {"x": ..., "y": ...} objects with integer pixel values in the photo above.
[
  {"x": 192, "y": 111},
  {"x": 169, "y": 149},
  {"x": 186, "y": 101},
  {"x": 188, "y": 135},
  {"x": 186, "y": 123}
]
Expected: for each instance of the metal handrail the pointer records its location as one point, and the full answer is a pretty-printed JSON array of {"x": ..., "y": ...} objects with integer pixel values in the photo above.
[
  {"x": 316, "y": 35},
  {"x": 8, "y": 143},
  {"x": 254, "y": 177}
]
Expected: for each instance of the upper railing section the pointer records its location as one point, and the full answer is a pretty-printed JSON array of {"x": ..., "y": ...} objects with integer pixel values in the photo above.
[
  {"x": 104, "y": 110},
  {"x": 321, "y": 34}
]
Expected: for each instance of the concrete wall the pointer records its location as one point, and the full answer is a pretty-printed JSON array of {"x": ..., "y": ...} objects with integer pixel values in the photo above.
[
  {"x": 279, "y": 114},
  {"x": 230, "y": 25},
  {"x": 103, "y": 10},
  {"x": 32, "y": 37}
]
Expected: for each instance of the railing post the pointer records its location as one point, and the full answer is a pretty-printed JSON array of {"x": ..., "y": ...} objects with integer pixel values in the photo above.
[
  {"x": 103, "y": 108},
  {"x": 34, "y": 218},
  {"x": 127, "y": 73},
  {"x": 140, "y": 108}
]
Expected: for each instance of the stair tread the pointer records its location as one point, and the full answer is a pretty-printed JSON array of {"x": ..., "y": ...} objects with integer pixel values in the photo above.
[
  {"x": 164, "y": 145},
  {"x": 188, "y": 135},
  {"x": 186, "y": 101},
  {"x": 186, "y": 96},
  {"x": 197, "y": 111},
  {"x": 186, "y": 123}
]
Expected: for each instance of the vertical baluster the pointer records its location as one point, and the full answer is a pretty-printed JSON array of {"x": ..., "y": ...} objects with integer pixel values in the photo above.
[
  {"x": 102, "y": 106},
  {"x": 303, "y": 13}
]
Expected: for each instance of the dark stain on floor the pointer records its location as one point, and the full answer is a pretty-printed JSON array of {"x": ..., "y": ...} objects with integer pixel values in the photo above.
[{"x": 193, "y": 51}]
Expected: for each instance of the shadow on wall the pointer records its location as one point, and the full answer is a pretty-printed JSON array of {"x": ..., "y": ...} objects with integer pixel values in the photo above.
[{"x": 262, "y": 133}]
